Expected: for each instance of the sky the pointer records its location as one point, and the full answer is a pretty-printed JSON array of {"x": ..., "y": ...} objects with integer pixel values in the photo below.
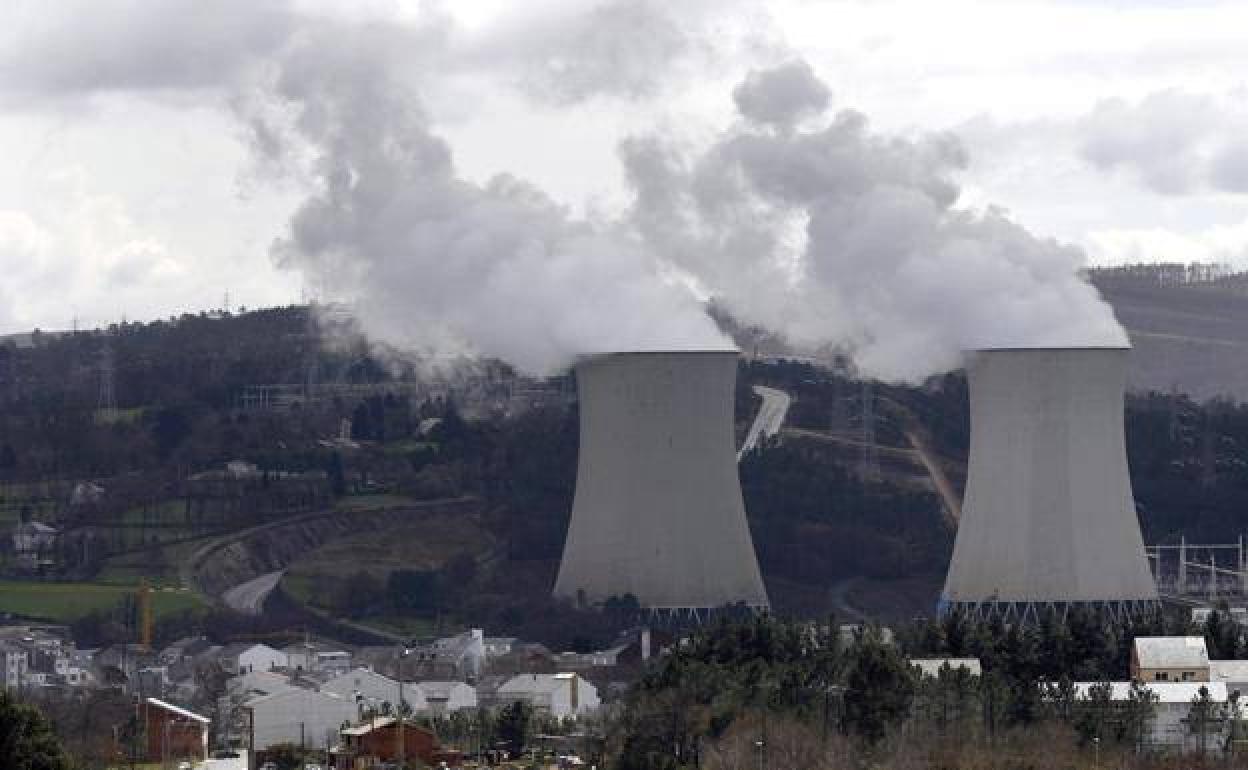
[{"x": 159, "y": 155}]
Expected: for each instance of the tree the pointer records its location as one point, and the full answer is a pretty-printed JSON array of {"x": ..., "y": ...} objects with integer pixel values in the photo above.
[
  {"x": 1203, "y": 716},
  {"x": 337, "y": 477},
  {"x": 26, "y": 738},
  {"x": 1137, "y": 715},
  {"x": 1093, "y": 712},
  {"x": 512, "y": 726},
  {"x": 879, "y": 690}
]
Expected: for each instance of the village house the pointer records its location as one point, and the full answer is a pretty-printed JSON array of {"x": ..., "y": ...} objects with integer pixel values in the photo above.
[
  {"x": 317, "y": 657},
  {"x": 173, "y": 733},
  {"x": 376, "y": 742},
  {"x": 444, "y": 697},
  {"x": 244, "y": 658},
  {"x": 558, "y": 695},
  {"x": 1169, "y": 659},
  {"x": 931, "y": 667},
  {"x": 372, "y": 690},
  {"x": 34, "y": 544},
  {"x": 1172, "y": 727},
  {"x": 298, "y": 716}
]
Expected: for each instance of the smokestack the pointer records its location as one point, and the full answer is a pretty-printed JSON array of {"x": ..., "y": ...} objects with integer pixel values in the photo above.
[
  {"x": 1048, "y": 518},
  {"x": 658, "y": 511}
]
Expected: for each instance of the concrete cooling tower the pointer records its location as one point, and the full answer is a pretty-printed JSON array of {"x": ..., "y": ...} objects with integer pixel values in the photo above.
[
  {"x": 658, "y": 511},
  {"x": 1048, "y": 519}
]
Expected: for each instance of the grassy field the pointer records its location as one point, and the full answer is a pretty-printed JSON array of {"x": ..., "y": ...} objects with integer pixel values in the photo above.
[
  {"x": 65, "y": 602},
  {"x": 370, "y": 502}
]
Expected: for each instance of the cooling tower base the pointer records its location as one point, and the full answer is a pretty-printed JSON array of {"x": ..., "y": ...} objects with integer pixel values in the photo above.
[
  {"x": 1026, "y": 613},
  {"x": 685, "y": 616}
]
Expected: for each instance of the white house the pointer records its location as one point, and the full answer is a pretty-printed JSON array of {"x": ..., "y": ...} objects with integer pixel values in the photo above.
[
  {"x": 253, "y": 684},
  {"x": 1169, "y": 659},
  {"x": 374, "y": 689},
  {"x": 245, "y": 658},
  {"x": 34, "y": 541},
  {"x": 559, "y": 695},
  {"x": 314, "y": 656},
  {"x": 463, "y": 653},
  {"x": 497, "y": 646},
  {"x": 15, "y": 662},
  {"x": 446, "y": 697},
  {"x": 298, "y": 716},
  {"x": 1233, "y": 674},
  {"x": 1170, "y": 728},
  {"x": 930, "y": 667}
]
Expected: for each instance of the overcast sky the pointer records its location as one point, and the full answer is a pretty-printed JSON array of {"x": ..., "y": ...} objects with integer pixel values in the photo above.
[{"x": 144, "y": 173}]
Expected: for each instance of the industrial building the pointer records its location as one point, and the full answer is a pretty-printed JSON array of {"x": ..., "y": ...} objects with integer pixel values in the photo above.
[
  {"x": 1048, "y": 519},
  {"x": 658, "y": 512}
]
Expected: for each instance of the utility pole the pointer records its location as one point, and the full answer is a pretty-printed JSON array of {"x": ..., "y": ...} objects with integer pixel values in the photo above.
[
  {"x": 402, "y": 752},
  {"x": 107, "y": 404}
]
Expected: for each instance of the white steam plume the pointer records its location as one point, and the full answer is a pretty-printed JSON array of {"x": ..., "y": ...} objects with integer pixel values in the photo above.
[
  {"x": 833, "y": 235},
  {"x": 431, "y": 262}
]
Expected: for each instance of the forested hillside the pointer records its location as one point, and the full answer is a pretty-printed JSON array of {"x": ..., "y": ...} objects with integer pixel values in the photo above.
[{"x": 836, "y": 503}]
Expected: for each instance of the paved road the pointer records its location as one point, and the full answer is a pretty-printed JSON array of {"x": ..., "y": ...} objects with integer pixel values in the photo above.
[
  {"x": 249, "y": 597},
  {"x": 770, "y": 417},
  {"x": 952, "y": 505}
]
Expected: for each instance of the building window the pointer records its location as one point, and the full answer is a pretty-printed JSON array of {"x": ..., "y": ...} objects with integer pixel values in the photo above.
[
  {"x": 1187, "y": 676},
  {"x": 1161, "y": 676}
]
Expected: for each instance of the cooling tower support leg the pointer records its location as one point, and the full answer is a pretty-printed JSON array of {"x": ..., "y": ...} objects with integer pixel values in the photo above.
[
  {"x": 1243, "y": 575},
  {"x": 1030, "y": 613}
]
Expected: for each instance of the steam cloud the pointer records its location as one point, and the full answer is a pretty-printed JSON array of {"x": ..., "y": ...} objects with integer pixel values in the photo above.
[
  {"x": 809, "y": 225},
  {"x": 837, "y": 236},
  {"x": 435, "y": 263}
]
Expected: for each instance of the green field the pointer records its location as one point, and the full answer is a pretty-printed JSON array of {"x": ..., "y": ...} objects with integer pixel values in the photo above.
[
  {"x": 65, "y": 602},
  {"x": 370, "y": 502}
]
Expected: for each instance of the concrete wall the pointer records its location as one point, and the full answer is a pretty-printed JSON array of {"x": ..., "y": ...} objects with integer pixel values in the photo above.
[
  {"x": 297, "y": 716},
  {"x": 658, "y": 510},
  {"x": 1048, "y": 513}
]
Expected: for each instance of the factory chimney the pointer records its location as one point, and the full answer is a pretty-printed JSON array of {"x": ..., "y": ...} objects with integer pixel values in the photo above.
[
  {"x": 1048, "y": 519},
  {"x": 658, "y": 511}
]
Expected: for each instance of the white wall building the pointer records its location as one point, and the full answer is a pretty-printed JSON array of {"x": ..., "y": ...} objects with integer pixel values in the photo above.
[
  {"x": 246, "y": 658},
  {"x": 1233, "y": 674},
  {"x": 254, "y": 684},
  {"x": 446, "y": 697},
  {"x": 930, "y": 667},
  {"x": 374, "y": 688},
  {"x": 559, "y": 695},
  {"x": 16, "y": 663},
  {"x": 1170, "y": 728},
  {"x": 301, "y": 717},
  {"x": 313, "y": 656}
]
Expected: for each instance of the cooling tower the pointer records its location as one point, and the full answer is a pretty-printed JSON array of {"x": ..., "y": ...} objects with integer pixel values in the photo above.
[
  {"x": 1048, "y": 519},
  {"x": 658, "y": 511}
]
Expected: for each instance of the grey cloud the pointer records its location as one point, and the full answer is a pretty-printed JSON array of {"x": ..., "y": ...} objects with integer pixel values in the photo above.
[
  {"x": 622, "y": 48},
  {"x": 80, "y": 48},
  {"x": 782, "y": 96},
  {"x": 1229, "y": 167},
  {"x": 1173, "y": 142}
]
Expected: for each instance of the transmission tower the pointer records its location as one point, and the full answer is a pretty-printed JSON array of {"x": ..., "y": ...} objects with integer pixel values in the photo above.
[
  {"x": 870, "y": 460},
  {"x": 107, "y": 405}
]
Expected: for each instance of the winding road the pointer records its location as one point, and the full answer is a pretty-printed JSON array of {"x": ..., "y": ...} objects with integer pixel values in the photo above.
[
  {"x": 249, "y": 597},
  {"x": 770, "y": 417}
]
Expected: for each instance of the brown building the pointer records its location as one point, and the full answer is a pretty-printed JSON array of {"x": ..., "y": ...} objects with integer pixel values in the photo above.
[
  {"x": 173, "y": 734},
  {"x": 378, "y": 741},
  {"x": 1169, "y": 659}
]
